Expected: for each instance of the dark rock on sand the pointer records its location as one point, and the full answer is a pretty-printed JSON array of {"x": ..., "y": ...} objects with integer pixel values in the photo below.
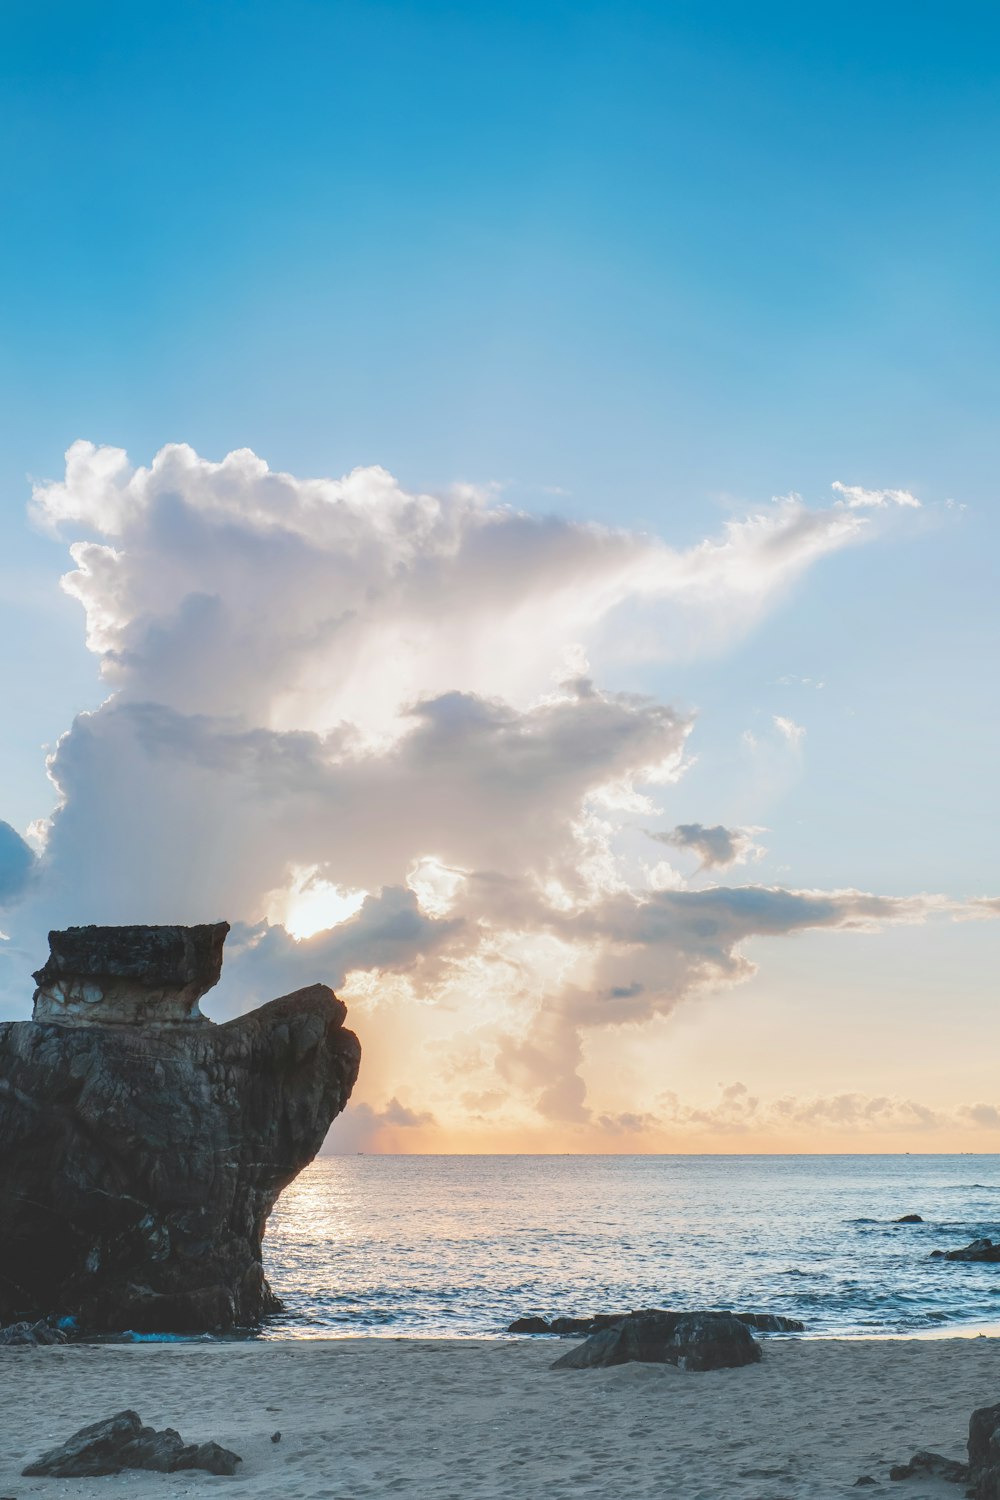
[
  {"x": 982, "y": 1471},
  {"x": 979, "y": 1250},
  {"x": 984, "y": 1437},
  {"x": 529, "y": 1325},
  {"x": 984, "y": 1452},
  {"x": 143, "y": 1146},
  {"x": 122, "y": 1442},
  {"x": 31, "y": 1335},
  {"x": 909, "y": 1219},
  {"x": 692, "y": 1341}
]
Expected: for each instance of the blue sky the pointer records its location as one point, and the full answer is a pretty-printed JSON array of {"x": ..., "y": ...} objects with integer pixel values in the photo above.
[{"x": 643, "y": 264}]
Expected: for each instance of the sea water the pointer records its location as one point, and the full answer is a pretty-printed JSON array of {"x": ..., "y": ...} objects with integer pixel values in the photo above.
[{"x": 460, "y": 1245}]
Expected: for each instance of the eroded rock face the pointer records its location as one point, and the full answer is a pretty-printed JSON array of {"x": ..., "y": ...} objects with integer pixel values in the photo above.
[
  {"x": 139, "y": 1160},
  {"x": 151, "y": 976}
]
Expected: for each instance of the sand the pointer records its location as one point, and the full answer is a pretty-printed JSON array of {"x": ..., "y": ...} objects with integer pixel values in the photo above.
[{"x": 480, "y": 1420}]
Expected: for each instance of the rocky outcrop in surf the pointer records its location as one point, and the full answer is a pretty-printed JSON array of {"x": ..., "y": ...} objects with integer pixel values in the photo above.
[
  {"x": 143, "y": 1146},
  {"x": 762, "y": 1322},
  {"x": 983, "y": 1251}
]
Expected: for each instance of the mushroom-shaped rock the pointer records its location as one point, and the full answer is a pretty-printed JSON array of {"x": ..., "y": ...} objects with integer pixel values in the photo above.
[
  {"x": 151, "y": 976},
  {"x": 143, "y": 1153}
]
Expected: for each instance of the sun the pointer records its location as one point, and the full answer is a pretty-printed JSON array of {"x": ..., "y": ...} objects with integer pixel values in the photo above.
[{"x": 309, "y": 904}]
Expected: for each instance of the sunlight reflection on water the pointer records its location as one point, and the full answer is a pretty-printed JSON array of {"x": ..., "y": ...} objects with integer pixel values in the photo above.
[{"x": 459, "y": 1245}]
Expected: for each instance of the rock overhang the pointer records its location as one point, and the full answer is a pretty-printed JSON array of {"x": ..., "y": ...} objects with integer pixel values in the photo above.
[{"x": 132, "y": 975}]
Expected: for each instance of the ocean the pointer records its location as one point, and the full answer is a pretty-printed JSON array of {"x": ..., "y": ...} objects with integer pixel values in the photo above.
[{"x": 458, "y": 1246}]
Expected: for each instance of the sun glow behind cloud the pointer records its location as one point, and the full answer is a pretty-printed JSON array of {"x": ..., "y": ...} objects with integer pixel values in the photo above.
[
  {"x": 311, "y": 904},
  {"x": 381, "y": 720}
]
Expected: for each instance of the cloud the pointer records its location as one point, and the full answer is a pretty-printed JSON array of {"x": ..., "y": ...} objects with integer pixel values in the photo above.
[
  {"x": 16, "y": 864},
  {"x": 716, "y": 847},
  {"x": 362, "y": 1128},
  {"x": 225, "y": 588},
  {"x": 792, "y": 732},
  {"x": 628, "y": 1122},
  {"x": 857, "y": 498},
  {"x": 337, "y": 686},
  {"x": 738, "y": 1111},
  {"x": 639, "y": 958}
]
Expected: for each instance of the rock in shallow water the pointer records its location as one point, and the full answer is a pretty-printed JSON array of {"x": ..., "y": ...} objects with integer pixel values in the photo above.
[
  {"x": 692, "y": 1341},
  {"x": 931, "y": 1465},
  {"x": 980, "y": 1250},
  {"x": 141, "y": 1160},
  {"x": 762, "y": 1322},
  {"x": 122, "y": 1442}
]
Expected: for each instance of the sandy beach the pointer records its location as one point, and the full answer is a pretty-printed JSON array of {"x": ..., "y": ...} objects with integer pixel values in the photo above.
[{"x": 477, "y": 1420}]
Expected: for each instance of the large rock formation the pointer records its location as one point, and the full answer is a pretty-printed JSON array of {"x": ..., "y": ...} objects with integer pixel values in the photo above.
[{"x": 142, "y": 1147}]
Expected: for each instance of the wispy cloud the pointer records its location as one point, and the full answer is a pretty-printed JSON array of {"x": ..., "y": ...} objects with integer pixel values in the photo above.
[
  {"x": 739, "y": 1111},
  {"x": 855, "y": 497},
  {"x": 792, "y": 732}
]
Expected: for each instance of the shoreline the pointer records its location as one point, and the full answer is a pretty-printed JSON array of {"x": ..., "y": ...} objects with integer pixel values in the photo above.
[
  {"x": 486, "y": 1419},
  {"x": 955, "y": 1330}
]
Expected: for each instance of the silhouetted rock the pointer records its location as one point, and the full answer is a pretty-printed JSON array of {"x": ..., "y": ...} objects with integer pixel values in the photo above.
[
  {"x": 762, "y": 1322},
  {"x": 122, "y": 1442},
  {"x": 692, "y": 1341},
  {"x": 140, "y": 1161},
  {"x": 564, "y": 1326},
  {"x": 771, "y": 1323},
  {"x": 909, "y": 1219},
  {"x": 979, "y": 1250}
]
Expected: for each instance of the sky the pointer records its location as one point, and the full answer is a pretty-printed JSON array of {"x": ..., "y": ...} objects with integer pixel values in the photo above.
[{"x": 499, "y": 504}]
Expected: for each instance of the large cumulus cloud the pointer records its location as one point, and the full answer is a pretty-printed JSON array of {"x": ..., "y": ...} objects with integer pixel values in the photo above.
[{"x": 398, "y": 699}]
